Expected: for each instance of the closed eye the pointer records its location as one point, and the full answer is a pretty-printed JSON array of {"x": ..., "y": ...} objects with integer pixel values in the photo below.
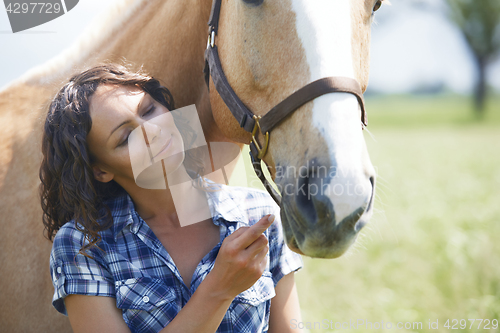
[
  {"x": 151, "y": 109},
  {"x": 124, "y": 142},
  {"x": 148, "y": 112}
]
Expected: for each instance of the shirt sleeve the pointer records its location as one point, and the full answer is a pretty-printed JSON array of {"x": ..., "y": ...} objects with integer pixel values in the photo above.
[
  {"x": 282, "y": 260},
  {"x": 74, "y": 273}
]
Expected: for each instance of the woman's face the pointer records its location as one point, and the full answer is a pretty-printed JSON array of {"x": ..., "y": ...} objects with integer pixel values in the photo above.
[{"x": 116, "y": 111}]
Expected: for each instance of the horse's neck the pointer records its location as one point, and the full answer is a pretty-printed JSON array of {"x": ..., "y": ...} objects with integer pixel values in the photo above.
[{"x": 166, "y": 38}]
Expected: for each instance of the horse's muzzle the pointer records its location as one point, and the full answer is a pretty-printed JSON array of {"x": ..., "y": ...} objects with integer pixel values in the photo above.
[{"x": 322, "y": 216}]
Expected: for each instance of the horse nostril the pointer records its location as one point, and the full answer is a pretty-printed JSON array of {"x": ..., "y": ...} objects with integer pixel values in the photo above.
[
  {"x": 311, "y": 199},
  {"x": 359, "y": 225},
  {"x": 303, "y": 198},
  {"x": 372, "y": 182}
]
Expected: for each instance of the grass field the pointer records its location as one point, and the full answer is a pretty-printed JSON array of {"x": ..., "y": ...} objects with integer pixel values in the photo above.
[{"x": 432, "y": 250}]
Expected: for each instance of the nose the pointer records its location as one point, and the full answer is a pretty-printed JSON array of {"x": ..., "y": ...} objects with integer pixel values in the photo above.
[
  {"x": 311, "y": 199},
  {"x": 333, "y": 199},
  {"x": 151, "y": 132}
]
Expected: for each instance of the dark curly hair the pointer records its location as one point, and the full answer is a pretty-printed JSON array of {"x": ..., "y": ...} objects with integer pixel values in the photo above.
[{"x": 68, "y": 188}]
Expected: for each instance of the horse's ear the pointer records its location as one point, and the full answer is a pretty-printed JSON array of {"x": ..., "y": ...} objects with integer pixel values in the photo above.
[{"x": 101, "y": 175}]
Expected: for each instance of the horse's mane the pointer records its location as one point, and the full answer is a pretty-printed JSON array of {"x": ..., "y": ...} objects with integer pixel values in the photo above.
[{"x": 96, "y": 33}]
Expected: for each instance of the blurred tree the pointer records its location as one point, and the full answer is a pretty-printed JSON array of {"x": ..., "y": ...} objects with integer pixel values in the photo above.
[{"x": 479, "y": 22}]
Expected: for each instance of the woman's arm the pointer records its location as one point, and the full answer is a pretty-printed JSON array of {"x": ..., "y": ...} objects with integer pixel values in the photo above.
[
  {"x": 96, "y": 314},
  {"x": 240, "y": 262},
  {"x": 285, "y": 306}
]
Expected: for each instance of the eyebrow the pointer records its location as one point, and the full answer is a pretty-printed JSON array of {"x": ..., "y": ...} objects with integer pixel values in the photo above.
[{"x": 128, "y": 121}]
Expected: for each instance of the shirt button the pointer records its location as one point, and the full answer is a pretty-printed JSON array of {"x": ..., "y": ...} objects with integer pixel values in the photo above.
[
  {"x": 145, "y": 299},
  {"x": 59, "y": 270}
]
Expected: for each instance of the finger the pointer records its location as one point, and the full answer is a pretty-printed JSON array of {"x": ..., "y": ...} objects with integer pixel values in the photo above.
[
  {"x": 252, "y": 233},
  {"x": 263, "y": 263},
  {"x": 238, "y": 232},
  {"x": 261, "y": 256},
  {"x": 257, "y": 245},
  {"x": 259, "y": 260}
]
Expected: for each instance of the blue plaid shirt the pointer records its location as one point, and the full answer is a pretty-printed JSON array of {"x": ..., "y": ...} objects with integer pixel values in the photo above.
[{"x": 135, "y": 269}]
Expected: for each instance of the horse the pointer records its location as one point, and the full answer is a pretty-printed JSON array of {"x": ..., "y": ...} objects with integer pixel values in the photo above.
[{"x": 268, "y": 49}]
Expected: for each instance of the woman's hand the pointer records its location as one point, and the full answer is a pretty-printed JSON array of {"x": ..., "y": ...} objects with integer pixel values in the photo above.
[{"x": 241, "y": 260}]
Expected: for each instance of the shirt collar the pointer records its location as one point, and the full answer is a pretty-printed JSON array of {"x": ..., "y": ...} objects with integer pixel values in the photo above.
[
  {"x": 124, "y": 214},
  {"x": 226, "y": 205}
]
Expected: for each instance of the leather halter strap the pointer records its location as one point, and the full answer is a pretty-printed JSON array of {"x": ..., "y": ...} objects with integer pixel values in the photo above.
[{"x": 250, "y": 122}]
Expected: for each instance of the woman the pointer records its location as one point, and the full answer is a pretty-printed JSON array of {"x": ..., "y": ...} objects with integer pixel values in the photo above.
[{"x": 115, "y": 239}]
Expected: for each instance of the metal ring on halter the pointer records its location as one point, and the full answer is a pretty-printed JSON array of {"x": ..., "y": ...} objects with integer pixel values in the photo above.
[
  {"x": 211, "y": 39},
  {"x": 262, "y": 151}
]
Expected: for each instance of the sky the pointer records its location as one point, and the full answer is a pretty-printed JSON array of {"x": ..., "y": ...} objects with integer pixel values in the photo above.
[
  {"x": 417, "y": 46},
  {"x": 412, "y": 47}
]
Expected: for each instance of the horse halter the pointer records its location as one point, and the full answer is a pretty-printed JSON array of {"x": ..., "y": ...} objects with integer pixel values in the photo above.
[{"x": 253, "y": 123}]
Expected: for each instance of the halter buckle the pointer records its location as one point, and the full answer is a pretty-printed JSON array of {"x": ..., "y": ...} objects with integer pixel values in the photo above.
[
  {"x": 262, "y": 151},
  {"x": 211, "y": 38}
]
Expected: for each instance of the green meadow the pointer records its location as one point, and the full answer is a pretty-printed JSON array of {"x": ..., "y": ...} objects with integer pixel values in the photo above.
[{"x": 431, "y": 253}]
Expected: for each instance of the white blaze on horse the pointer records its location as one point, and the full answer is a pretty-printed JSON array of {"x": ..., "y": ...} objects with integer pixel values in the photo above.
[{"x": 268, "y": 49}]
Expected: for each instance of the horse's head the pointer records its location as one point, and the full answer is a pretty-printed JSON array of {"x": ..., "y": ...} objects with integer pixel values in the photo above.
[{"x": 317, "y": 155}]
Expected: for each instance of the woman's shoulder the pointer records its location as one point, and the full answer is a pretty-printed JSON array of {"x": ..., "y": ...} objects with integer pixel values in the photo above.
[
  {"x": 68, "y": 241},
  {"x": 69, "y": 232},
  {"x": 72, "y": 236},
  {"x": 118, "y": 206}
]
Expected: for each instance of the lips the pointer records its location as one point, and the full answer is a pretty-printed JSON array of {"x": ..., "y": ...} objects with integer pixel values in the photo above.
[{"x": 164, "y": 148}]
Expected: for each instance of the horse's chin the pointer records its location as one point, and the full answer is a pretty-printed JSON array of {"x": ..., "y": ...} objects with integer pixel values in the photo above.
[
  {"x": 292, "y": 244},
  {"x": 321, "y": 239},
  {"x": 311, "y": 250}
]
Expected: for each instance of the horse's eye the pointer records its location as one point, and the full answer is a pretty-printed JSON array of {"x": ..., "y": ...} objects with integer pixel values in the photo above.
[
  {"x": 253, "y": 2},
  {"x": 377, "y": 5}
]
